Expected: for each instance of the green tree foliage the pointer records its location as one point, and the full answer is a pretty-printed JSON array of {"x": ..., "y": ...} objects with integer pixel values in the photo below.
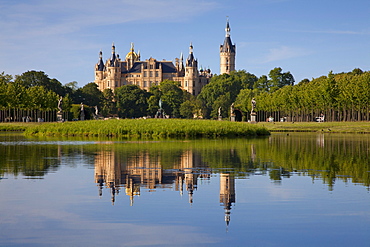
[
  {"x": 108, "y": 105},
  {"x": 223, "y": 90},
  {"x": 243, "y": 100},
  {"x": 40, "y": 98},
  {"x": 279, "y": 79},
  {"x": 90, "y": 94},
  {"x": 70, "y": 88},
  {"x": 172, "y": 97},
  {"x": 263, "y": 84},
  {"x": 339, "y": 97},
  {"x": 5, "y": 78},
  {"x": 76, "y": 112},
  {"x": 191, "y": 108},
  {"x": 39, "y": 78},
  {"x": 153, "y": 101},
  {"x": 131, "y": 101},
  {"x": 67, "y": 103}
]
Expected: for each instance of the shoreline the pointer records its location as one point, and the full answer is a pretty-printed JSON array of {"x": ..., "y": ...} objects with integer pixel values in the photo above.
[{"x": 323, "y": 127}]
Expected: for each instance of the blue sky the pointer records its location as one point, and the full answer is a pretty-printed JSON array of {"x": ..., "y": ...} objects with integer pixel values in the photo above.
[{"x": 63, "y": 37}]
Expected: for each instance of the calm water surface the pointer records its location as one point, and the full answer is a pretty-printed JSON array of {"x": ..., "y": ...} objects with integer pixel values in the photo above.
[{"x": 283, "y": 190}]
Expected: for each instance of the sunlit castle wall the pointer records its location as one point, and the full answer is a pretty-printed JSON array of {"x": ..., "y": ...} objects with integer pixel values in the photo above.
[{"x": 145, "y": 74}]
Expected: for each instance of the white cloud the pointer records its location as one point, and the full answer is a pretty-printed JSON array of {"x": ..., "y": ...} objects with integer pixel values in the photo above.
[
  {"x": 56, "y": 36},
  {"x": 65, "y": 16},
  {"x": 284, "y": 52},
  {"x": 22, "y": 22},
  {"x": 344, "y": 32}
]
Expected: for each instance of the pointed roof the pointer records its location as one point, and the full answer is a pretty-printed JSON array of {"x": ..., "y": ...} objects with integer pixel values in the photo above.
[
  {"x": 100, "y": 63},
  {"x": 228, "y": 45},
  {"x": 190, "y": 60},
  {"x": 113, "y": 58}
]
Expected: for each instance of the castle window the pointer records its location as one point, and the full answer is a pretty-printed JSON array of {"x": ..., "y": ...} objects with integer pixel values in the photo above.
[
  {"x": 150, "y": 74},
  {"x": 144, "y": 84},
  {"x": 186, "y": 83},
  {"x": 151, "y": 66},
  {"x": 156, "y": 74},
  {"x": 144, "y": 73}
]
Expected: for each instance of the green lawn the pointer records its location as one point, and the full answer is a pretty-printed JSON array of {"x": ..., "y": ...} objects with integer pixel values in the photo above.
[
  {"x": 338, "y": 127},
  {"x": 16, "y": 126},
  {"x": 149, "y": 128}
]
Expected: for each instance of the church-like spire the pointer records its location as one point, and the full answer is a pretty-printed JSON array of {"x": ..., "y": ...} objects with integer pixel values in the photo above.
[
  {"x": 228, "y": 45},
  {"x": 181, "y": 61},
  {"x": 227, "y": 52},
  {"x": 100, "y": 62},
  {"x": 191, "y": 61},
  {"x": 113, "y": 49},
  {"x": 227, "y": 29},
  {"x": 113, "y": 58}
]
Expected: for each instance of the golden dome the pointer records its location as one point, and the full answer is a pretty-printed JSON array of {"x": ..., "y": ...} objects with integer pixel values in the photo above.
[{"x": 131, "y": 55}]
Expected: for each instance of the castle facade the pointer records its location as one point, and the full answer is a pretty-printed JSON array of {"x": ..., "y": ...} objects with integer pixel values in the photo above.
[{"x": 116, "y": 72}]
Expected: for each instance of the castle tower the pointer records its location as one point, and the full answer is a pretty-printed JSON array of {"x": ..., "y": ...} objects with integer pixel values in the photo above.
[
  {"x": 113, "y": 67},
  {"x": 227, "y": 53},
  {"x": 227, "y": 194},
  {"x": 99, "y": 70},
  {"x": 191, "y": 72}
]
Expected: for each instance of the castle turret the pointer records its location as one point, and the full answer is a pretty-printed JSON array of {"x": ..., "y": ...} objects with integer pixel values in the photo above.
[
  {"x": 113, "y": 58},
  {"x": 113, "y": 67},
  {"x": 99, "y": 68},
  {"x": 227, "y": 194},
  {"x": 227, "y": 53},
  {"x": 191, "y": 72}
]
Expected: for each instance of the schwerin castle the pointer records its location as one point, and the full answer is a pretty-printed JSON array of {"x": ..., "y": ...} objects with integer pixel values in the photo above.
[{"x": 132, "y": 71}]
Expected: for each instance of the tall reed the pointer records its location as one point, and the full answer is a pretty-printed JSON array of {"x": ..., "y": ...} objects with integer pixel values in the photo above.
[{"x": 149, "y": 128}]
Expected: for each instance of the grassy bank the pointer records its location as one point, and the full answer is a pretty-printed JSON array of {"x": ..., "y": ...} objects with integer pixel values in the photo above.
[
  {"x": 337, "y": 127},
  {"x": 149, "y": 128},
  {"x": 16, "y": 126},
  {"x": 180, "y": 128}
]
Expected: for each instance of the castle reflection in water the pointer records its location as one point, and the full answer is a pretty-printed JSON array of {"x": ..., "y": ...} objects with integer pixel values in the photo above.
[{"x": 144, "y": 170}]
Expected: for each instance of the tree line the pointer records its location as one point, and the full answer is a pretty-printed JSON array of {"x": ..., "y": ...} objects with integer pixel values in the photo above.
[
  {"x": 32, "y": 96},
  {"x": 338, "y": 97}
]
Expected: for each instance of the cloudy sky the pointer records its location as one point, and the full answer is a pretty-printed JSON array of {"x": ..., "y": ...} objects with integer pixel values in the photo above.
[{"x": 63, "y": 37}]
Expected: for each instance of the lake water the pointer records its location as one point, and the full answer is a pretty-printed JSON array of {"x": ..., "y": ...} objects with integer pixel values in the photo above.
[{"x": 283, "y": 190}]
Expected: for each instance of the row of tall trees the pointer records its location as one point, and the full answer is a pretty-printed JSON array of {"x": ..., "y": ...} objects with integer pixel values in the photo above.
[
  {"x": 339, "y": 97},
  {"x": 33, "y": 95},
  {"x": 239, "y": 87}
]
